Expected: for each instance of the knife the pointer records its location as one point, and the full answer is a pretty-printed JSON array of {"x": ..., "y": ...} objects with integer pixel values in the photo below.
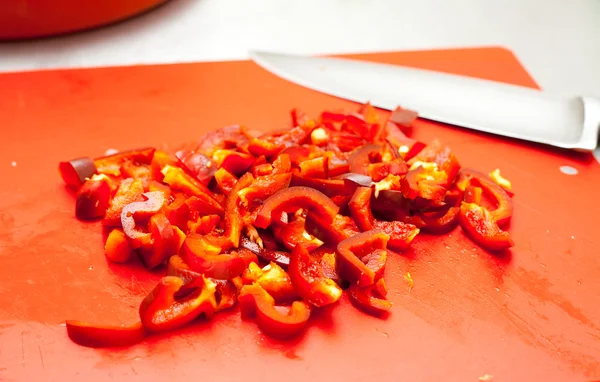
[{"x": 489, "y": 106}]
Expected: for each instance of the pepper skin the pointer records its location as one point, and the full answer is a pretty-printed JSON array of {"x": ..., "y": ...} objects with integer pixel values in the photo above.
[
  {"x": 479, "y": 224},
  {"x": 90, "y": 335},
  {"x": 350, "y": 252}
]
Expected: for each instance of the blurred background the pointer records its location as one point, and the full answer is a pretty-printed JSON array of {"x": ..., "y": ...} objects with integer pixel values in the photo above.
[{"x": 558, "y": 41}]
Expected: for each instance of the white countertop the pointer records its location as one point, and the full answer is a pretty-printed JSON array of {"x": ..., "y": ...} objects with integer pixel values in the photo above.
[{"x": 558, "y": 41}]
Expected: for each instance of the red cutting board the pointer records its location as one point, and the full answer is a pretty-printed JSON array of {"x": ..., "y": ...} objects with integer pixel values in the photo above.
[{"x": 531, "y": 315}]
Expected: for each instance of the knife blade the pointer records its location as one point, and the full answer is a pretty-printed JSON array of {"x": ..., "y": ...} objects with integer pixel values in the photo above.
[{"x": 489, "y": 106}]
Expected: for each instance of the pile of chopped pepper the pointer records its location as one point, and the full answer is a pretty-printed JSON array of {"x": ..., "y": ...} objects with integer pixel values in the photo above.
[{"x": 282, "y": 223}]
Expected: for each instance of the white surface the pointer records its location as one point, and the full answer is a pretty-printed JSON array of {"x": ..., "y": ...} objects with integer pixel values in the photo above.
[{"x": 557, "y": 40}]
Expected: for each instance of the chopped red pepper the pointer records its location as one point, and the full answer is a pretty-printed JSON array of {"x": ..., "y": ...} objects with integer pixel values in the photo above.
[
  {"x": 263, "y": 187},
  {"x": 309, "y": 280},
  {"x": 205, "y": 257},
  {"x": 315, "y": 168},
  {"x": 276, "y": 321},
  {"x": 350, "y": 252},
  {"x": 129, "y": 191},
  {"x": 117, "y": 247},
  {"x": 179, "y": 180},
  {"x": 76, "y": 171},
  {"x": 235, "y": 162},
  {"x": 293, "y": 198},
  {"x": 364, "y": 300},
  {"x": 164, "y": 309},
  {"x": 504, "y": 205},
  {"x": 480, "y": 225},
  {"x": 273, "y": 279},
  {"x": 165, "y": 242},
  {"x": 360, "y": 208},
  {"x": 294, "y": 233},
  {"x": 142, "y": 211},
  {"x": 233, "y": 215},
  {"x": 93, "y": 198},
  {"x": 90, "y": 335},
  {"x": 310, "y": 190},
  {"x": 401, "y": 234},
  {"x": 197, "y": 165},
  {"x": 177, "y": 211}
]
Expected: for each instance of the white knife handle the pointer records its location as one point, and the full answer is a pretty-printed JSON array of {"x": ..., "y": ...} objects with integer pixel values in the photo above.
[{"x": 591, "y": 123}]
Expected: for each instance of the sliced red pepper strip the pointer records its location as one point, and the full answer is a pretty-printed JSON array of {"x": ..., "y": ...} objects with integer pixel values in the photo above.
[
  {"x": 425, "y": 184},
  {"x": 292, "y": 199},
  {"x": 141, "y": 156},
  {"x": 504, "y": 205},
  {"x": 233, "y": 213},
  {"x": 350, "y": 252},
  {"x": 177, "y": 267},
  {"x": 258, "y": 147},
  {"x": 162, "y": 310},
  {"x": 315, "y": 168},
  {"x": 473, "y": 194},
  {"x": 177, "y": 211},
  {"x": 407, "y": 147},
  {"x": 203, "y": 225},
  {"x": 275, "y": 321},
  {"x": 360, "y": 208},
  {"x": 130, "y": 169},
  {"x": 401, "y": 234},
  {"x": 117, "y": 247},
  {"x": 442, "y": 156},
  {"x": 281, "y": 258},
  {"x": 262, "y": 169},
  {"x": 363, "y": 299},
  {"x": 179, "y": 180},
  {"x": 309, "y": 280},
  {"x": 294, "y": 233},
  {"x": 93, "y": 198},
  {"x": 164, "y": 244},
  {"x": 264, "y": 187},
  {"x": 129, "y": 191},
  {"x": 273, "y": 279},
  {"x": 345, "y": 142},
  {"x": 235, "y": 162},
  {"x": 479, "y": 224},
  {"x": 340, "y": 229},
  {"x": 197, "y": 165},
  {"x": 90, "y": 335},
  {"x": 437, "y": 223},
  {"x": 329, "y": 187},
  {"x": 153, "y": 203},
  {"x": 204, "y": 257},
  {"x": 360, "y": 159},
  {"x": 76, "y": 171},
  {"x": 282, "y": 164}
]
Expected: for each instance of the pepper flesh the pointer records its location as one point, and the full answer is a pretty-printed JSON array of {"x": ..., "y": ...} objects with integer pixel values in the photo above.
[
  {"x": 162, "y": 310},
  {"x": 481, "y": 227},
  {"x": 255, "y": 301}
]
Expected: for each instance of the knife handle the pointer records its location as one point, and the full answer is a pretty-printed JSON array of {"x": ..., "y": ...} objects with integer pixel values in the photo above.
[{"x": 591, "y": 123}]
